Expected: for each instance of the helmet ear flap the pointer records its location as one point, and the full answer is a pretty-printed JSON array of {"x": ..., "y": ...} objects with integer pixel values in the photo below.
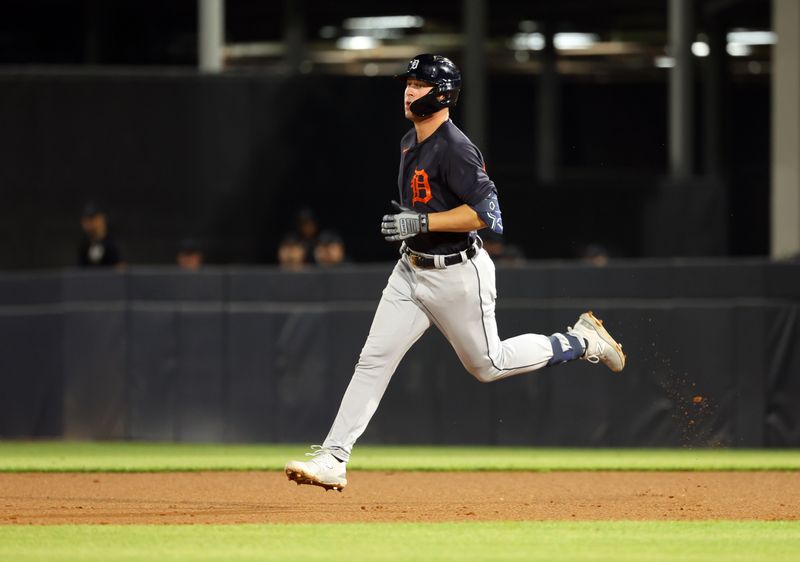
[
  {"x": 452, "y": 97},
  {"x": 434, "y": 101}
]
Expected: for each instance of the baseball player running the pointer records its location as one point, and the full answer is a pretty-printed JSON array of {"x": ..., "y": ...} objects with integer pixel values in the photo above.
[{"x": 443, "y": 277}]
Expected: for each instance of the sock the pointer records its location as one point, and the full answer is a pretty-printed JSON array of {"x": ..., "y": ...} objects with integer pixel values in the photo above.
[{"x": 566, "y": 347}]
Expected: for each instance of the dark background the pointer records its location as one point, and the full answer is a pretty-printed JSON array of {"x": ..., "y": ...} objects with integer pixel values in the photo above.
[
  {"x": 100, "y": 102},
  {"x": 230, "y": 159}
]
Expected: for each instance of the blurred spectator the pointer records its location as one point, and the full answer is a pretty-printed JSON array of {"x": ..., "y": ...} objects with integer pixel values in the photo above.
[
  {"x": 97, "y": 247},
  {"x": 330, "y": 249},
  {"x": 291, "y": 253},
  {"x": 501, "y": 252},
  {"x": 595, "y": 254},
  {"x": 306, "y": 229},
  {"x": 189, "y": 256}
]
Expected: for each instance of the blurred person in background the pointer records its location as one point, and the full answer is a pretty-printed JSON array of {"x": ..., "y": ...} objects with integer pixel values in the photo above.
[
  {"x": 306, "y": 230},
  {"x": 189, "y": 257},
  {"x": 330, "y": 250},
  {"x": 595, "y": 254},
  {"x": 291, "y": 253},
  {"x": 500, "y": 251},
  {"x": 97, "y": 247}
]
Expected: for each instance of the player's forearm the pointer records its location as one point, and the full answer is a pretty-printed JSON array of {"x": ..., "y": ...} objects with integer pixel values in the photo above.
[{"x": 460, "y": 219}]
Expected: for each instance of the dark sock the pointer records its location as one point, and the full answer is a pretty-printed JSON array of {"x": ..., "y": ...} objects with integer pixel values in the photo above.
[{"x": 566, "y": 347}]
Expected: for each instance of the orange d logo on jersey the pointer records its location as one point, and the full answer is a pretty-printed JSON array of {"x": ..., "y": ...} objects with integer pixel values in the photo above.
[{"x": 420, "y": 188}]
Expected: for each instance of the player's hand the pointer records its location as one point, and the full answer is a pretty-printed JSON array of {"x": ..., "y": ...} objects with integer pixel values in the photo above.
[{"x": 405, "y": 224}]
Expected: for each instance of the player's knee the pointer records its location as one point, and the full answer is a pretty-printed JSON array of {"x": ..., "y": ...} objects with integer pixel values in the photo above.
[
  {"x": 484, "y": 372},
  {"x": 367, "y": 365},
  {"x": 371, "y": 353}
]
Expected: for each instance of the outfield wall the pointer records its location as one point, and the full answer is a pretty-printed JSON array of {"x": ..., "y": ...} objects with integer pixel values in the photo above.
[{"x": 258, "y": 354}]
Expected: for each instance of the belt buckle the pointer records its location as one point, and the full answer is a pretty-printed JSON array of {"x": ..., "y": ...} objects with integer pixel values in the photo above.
[{"x": 414, "y": 260}]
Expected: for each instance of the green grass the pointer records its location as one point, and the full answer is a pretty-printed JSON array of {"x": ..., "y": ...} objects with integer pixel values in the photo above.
[
  {"x": 147, "y": 457},
  {"x": 618, "y": 541}
]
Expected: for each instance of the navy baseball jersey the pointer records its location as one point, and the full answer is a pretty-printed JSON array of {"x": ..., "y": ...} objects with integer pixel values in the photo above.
[{"x": 441, "y": 173}]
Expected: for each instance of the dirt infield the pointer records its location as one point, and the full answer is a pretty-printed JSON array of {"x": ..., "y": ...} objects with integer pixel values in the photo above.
[{"x": 268, "y": 497}]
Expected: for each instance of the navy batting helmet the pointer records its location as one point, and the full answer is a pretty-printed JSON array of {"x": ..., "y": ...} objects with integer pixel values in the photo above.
[{"x": 442, "y": 74}]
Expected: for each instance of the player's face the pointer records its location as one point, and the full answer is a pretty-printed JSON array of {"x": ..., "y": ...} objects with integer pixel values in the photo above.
[
  {"x": 95, "y": 226},
  {"x": 415, "y": 89}
]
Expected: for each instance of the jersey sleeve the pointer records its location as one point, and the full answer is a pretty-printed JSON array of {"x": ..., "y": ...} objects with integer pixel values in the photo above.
[{"x": 466, "y": 174}]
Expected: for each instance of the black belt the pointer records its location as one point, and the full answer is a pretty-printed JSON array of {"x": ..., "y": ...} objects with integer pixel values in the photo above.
[{"x": 444, "y": 260}]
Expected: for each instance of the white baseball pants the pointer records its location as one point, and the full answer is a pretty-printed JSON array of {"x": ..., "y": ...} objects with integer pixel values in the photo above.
[{"x": 460, "y": 301}]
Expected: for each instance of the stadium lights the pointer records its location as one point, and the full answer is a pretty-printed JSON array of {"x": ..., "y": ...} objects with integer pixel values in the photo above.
[
  {"x": 562, "y": 41},
  {"x": 741, "y": 41},
  {"x": 527, "y": 42},
  {"x": 745, "y": 37},
  {"x": 664, "y": 62},
  {"x": 384, "y": 22},
  {"x": 357, "y": 43},
  {"x": 571, "y": 41},
  {"x": 738, "y": 49},
  {"x": 700, "y": 49}
]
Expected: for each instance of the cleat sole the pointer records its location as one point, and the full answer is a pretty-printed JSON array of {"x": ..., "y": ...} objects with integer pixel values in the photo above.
[{"x": 301, "y": 478}]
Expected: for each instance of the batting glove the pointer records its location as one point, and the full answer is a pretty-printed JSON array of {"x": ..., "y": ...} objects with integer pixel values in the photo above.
[{"x": 405, "y": 224}]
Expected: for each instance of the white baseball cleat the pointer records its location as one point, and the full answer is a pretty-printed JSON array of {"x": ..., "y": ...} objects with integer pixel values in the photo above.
[
  {"x": 323, "y": 470},
  {"x": 602, "y": 347}
]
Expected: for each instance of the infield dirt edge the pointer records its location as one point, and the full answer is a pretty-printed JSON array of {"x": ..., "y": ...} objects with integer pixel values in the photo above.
[{"x": 394, "y": 496}]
